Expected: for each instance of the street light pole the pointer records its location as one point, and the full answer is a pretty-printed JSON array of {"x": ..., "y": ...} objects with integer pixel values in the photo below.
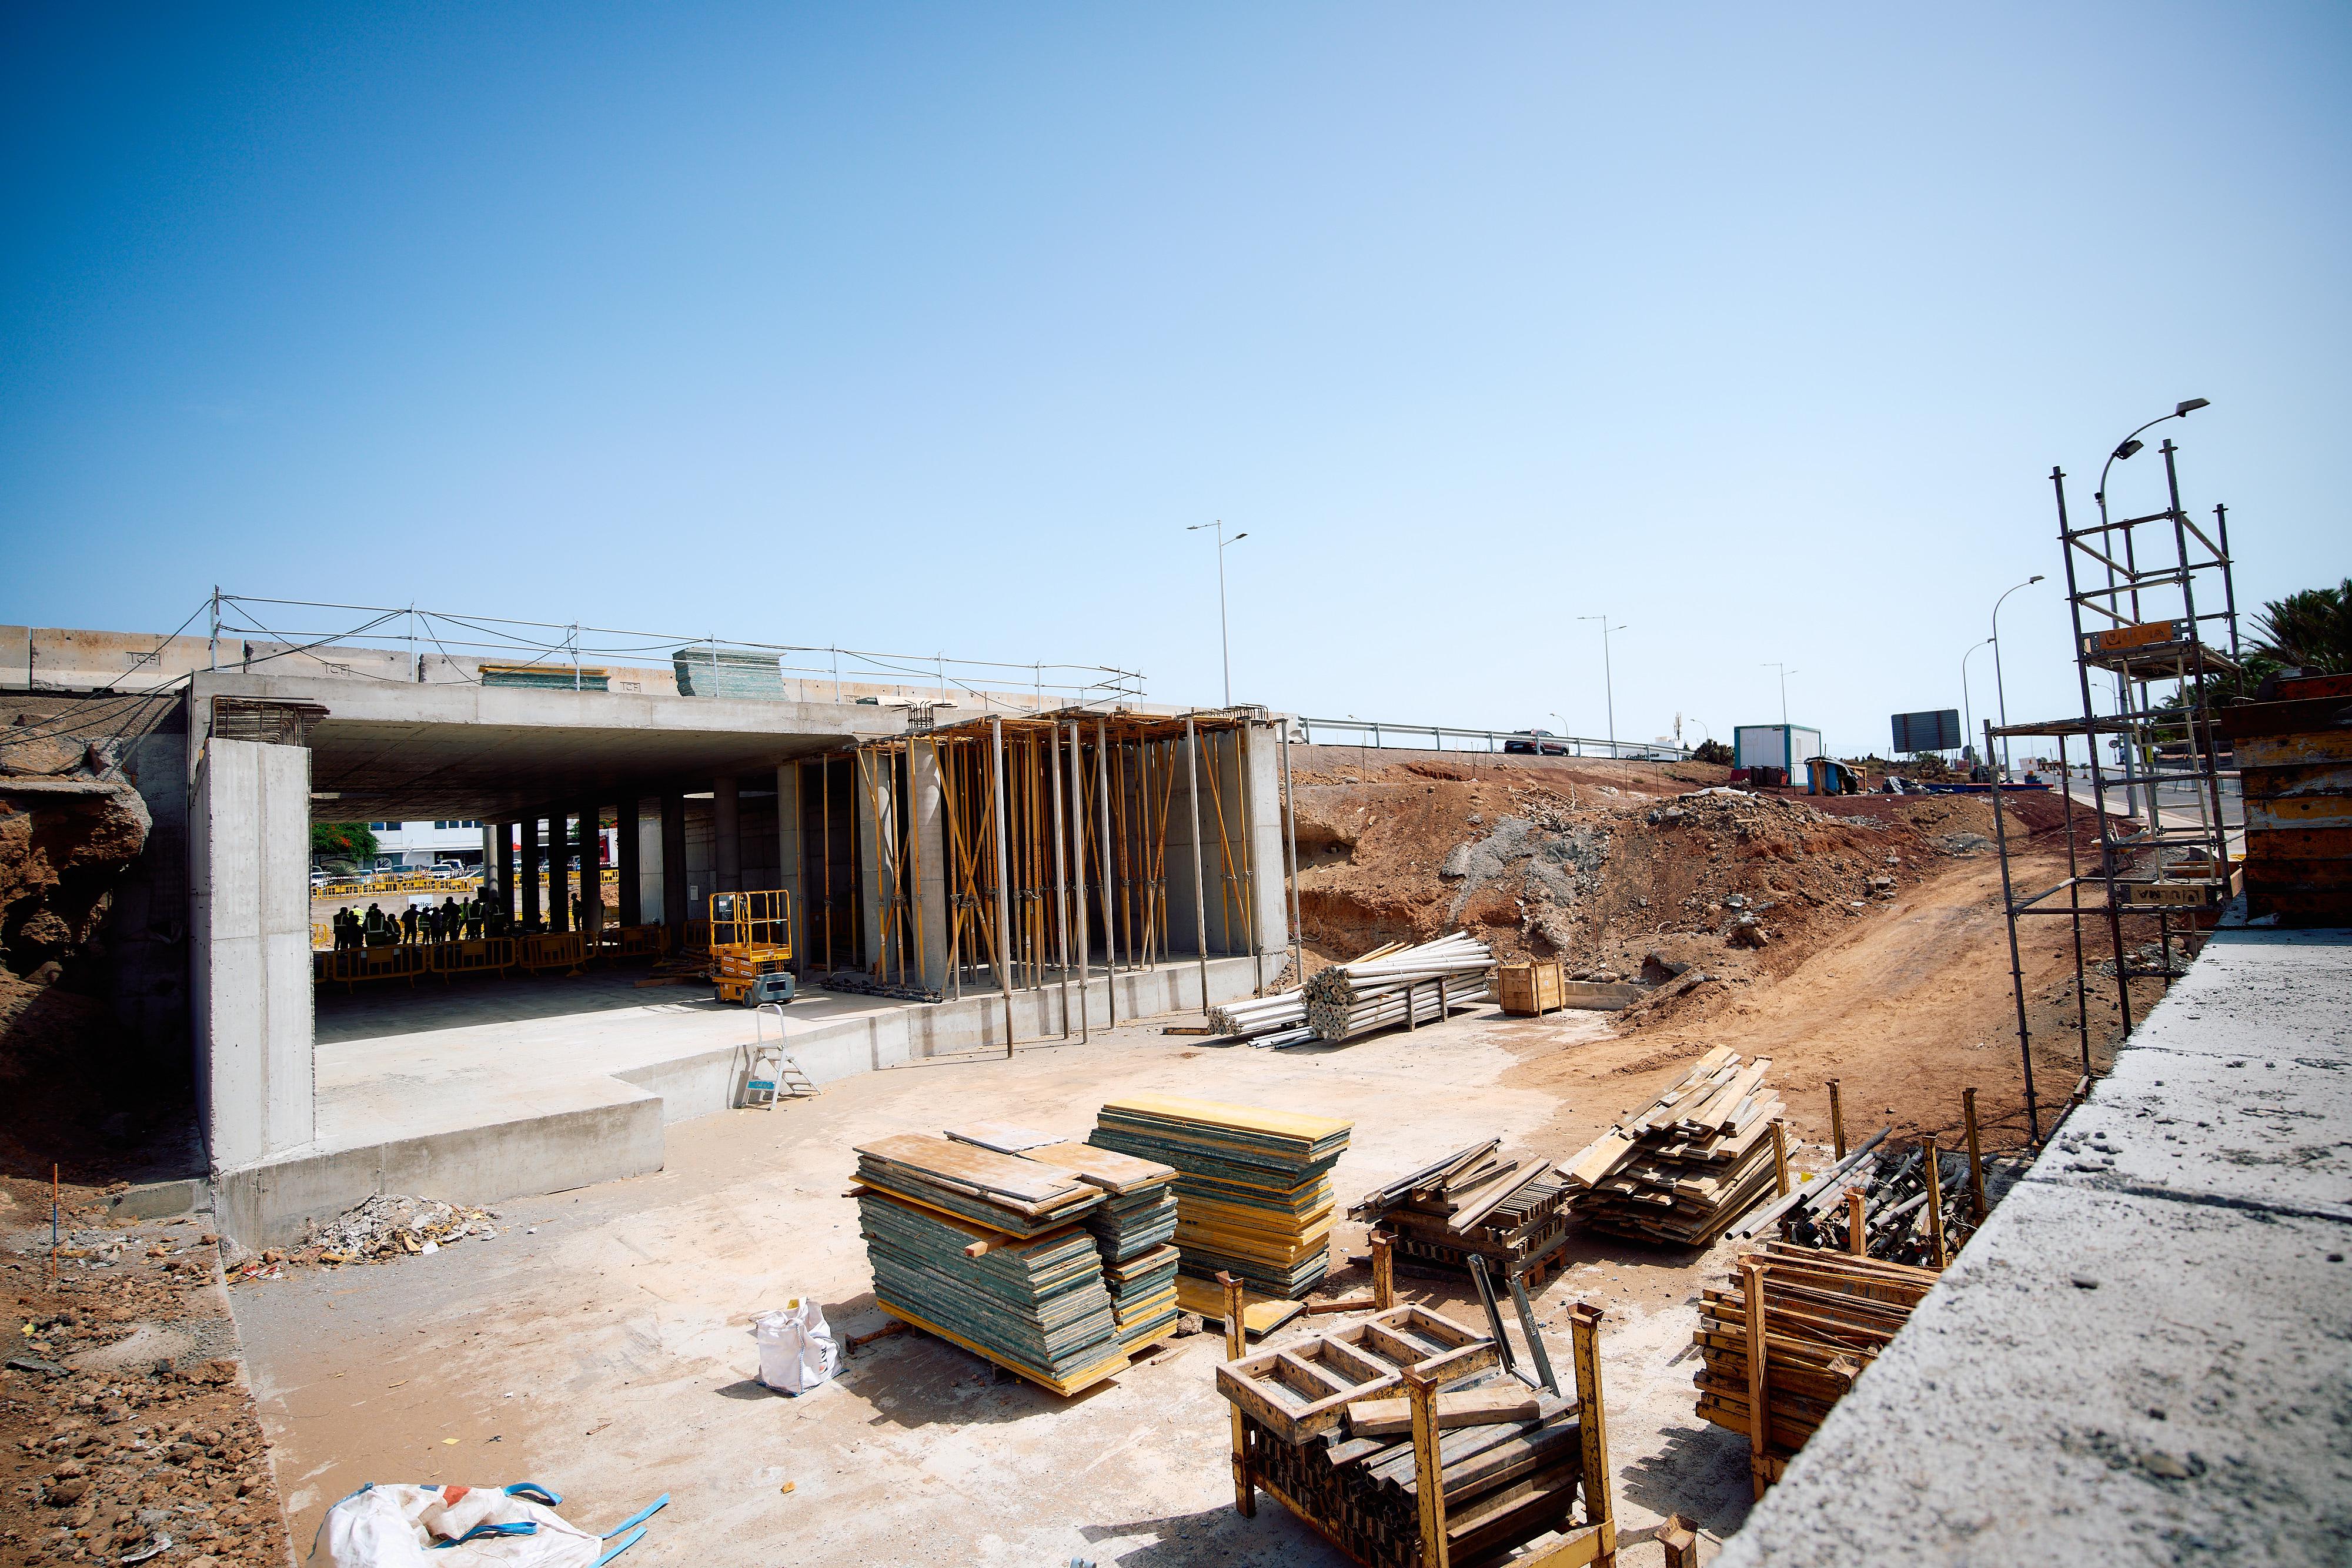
[
  {"x": 2001, "y": 692},
  {"x": 1224, "y": 631},
  {"x": 1607, "y": 677},
  {"x": 1967, "y": 711}
]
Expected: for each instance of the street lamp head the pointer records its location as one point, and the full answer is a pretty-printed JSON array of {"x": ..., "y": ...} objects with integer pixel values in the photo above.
[
  {"x": 1244, "y": 534},
  {"x": 2128, "y": 448},
  {"x": 2034, "y": 579},
  {"x": 2184, "y": 410}
]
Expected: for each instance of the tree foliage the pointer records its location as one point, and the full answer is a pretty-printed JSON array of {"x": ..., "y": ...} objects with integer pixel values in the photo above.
[
  {"x": 342, "y": 840},
  {"x": 2310, "y": 631},
  {"x": 1712, "y": 751}
]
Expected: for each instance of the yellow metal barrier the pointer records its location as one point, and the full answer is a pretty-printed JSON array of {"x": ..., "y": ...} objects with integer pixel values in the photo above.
[
  {"x": 636, "y": 940},
  {"x": 550, "y": 950},
  {"x": 485, "y": 954},
  {"x": 348, "y": 968}
]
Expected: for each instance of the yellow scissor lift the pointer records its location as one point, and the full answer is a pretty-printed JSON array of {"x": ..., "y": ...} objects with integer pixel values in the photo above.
[{"x": 751, "y": 947}]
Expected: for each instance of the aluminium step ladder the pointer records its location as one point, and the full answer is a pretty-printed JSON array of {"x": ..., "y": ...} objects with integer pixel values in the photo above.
[{"x": 773, "y": 1073}]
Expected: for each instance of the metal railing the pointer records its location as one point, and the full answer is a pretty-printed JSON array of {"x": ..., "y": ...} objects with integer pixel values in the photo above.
[
  {"x": 1383, "y": 736},
  {"x": 560, "y": 649}
]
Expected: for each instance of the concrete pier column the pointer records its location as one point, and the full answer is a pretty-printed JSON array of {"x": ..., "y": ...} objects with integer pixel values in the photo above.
[
  {"x": 928, "y": 846},
  {"x": 876, "y": 793},
  {"x": 592, "y": 869},
  {"x": 791, "y": 851},
  {"x": 1261, "y": 792},
  {"x": 632, "y": 862},
  {"x": 559, "y": 875},
  {"x": 727, "y": 829},
  {"x": 250, "y": 950},
  {"x": 490, "y": 855},
  {"x": 507, "y": 869},
  {"x": 531, "y": 866},
  {"x": 673, "y": 864}
]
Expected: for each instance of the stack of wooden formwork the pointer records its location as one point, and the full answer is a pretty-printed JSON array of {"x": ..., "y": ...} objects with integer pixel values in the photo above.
[
  {"x": 1690, "y": 1165},
  {"x": 1134, "y": 1230},
  {"x": 989, "y": 1251},
  {"x": 1824, "y": 1318},
  {"x": 1473, "y": 1203},
  {"x": 1253, "y": 1186}
]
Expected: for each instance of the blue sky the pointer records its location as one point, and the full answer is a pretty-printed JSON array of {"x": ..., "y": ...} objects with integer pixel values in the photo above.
[{"x": 920, "y": 328}]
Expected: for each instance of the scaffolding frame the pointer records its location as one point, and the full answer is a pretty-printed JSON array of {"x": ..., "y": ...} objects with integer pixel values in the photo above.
[
  {"x": 1051, "y": 845},
  {"x": 2140, "y": 624}
]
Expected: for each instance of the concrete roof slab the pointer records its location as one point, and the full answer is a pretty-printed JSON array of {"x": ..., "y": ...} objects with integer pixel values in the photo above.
[{"x": 389, "y": 749}]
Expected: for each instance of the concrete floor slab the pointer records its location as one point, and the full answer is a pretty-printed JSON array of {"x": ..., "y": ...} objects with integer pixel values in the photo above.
[{"x": 482, "y": 1090}]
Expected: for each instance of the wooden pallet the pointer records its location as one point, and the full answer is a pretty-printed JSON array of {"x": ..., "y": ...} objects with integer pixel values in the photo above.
[{"x": 1303, "y": 1390}]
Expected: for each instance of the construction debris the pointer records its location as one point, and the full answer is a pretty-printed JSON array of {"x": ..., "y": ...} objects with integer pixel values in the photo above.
[
  {"x": 389, "y": 1226},
  {"x": 1413, "y": 987},
  {"x": 983, "y": 1251},
  {"x": 1687, "y": 1167},
  {"x": 1511, "y": 1212},
  {"x": 1254, "y": 1188},
  {"x": 1824, "y": 1318}
]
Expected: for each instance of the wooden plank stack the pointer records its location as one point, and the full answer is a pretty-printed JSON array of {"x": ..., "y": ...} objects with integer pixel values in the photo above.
[
  {"x": 1253, "y": 1186},
  {"x": 988, "y": 1251},
  {"x": 1133, "y": 1231},
  {"x": 1826, "y": 1316},
  {"x": 1512, "y": 1212},
  {"x": 1687, "y": 1167},
  {"x": 1414, "y": 985}
]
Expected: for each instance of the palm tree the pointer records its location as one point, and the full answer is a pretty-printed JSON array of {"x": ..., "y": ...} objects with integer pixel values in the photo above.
[{"x": 2311, "y": 631}]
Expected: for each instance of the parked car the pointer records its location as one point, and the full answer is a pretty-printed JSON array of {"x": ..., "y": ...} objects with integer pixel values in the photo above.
[
  {"x": 1538, "y": 743},
  {"x": 447, "y": 869}
]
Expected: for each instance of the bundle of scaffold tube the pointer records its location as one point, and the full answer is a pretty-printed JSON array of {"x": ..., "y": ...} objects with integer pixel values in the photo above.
[{"x": 1414, "y": 985}]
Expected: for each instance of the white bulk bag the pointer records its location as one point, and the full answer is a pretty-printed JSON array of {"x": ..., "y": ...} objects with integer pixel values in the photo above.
[
  {"x": 511, "y": 1527},
  {"x": 796, "y": 1349}
]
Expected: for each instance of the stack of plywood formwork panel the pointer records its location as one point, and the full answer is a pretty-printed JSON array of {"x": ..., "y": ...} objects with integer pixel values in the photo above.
[
  {"x": 1134, "y": 1229},
  {"x": 989, "y": 1251},
  {"x": 1253, "y": 1186}
]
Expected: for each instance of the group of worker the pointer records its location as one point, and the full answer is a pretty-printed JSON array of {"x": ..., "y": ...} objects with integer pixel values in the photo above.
[{"x": 449, "y": 921}]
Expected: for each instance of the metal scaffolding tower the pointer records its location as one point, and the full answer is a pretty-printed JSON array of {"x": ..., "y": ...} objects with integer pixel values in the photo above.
[{"x": 2159, "y": 662}]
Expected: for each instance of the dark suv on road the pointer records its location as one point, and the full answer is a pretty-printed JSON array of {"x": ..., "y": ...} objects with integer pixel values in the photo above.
[{"x": 1536, "y": 743}]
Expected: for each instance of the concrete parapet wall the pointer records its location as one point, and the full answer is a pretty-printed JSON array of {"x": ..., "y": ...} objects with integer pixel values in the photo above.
[
  {"x": 2140, "y": 1357},
  {"x": 617, "y": 1134}
]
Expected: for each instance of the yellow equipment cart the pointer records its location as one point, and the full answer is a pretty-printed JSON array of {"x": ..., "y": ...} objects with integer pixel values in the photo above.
[{"x": 751, "y": 947}]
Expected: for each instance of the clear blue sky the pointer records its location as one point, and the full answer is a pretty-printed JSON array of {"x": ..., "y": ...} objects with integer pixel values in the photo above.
[{"x": 1757, "y": 328}]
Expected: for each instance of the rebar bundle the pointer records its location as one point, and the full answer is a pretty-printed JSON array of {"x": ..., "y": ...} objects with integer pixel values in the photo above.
[{"x": 1414, "y": 985}]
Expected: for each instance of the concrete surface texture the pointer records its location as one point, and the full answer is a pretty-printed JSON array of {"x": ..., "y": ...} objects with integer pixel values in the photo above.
[
  {"x": 2143, "y": 1356},
  {"x": 601, "y": 1344}
]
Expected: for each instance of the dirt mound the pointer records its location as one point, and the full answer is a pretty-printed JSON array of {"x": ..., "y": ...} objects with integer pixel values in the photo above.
[
  {"x": 64, "y": 839},
  {"x": 1621, "y": 869}
]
